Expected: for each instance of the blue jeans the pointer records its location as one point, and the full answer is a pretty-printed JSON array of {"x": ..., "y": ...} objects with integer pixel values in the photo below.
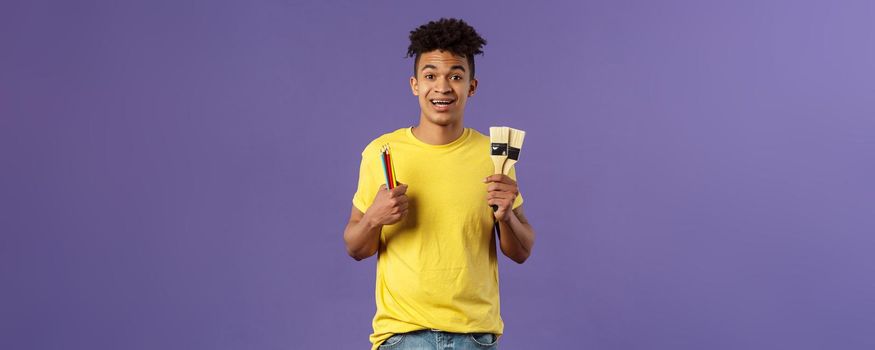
[{"x": 437, "y": 340}]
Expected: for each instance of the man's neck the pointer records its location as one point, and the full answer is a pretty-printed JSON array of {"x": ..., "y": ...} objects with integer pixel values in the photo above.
[{"x": 434, "y": 134}]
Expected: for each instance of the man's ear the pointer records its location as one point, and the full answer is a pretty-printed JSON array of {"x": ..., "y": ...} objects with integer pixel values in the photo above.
[
  {"x": 473, "y": 87},
  {"x": 414, "y": 85}
]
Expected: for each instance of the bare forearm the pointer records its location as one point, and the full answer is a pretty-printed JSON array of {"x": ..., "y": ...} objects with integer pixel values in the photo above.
[
  {"x": 362, "y": 233},
  {"x": 362, "y": 238},
  {"x": 517, "y": 238}
]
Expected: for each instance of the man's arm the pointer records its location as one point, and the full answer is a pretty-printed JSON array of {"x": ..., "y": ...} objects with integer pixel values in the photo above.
[
  {"x": 362, "y": 237},
  {"x": 517, "y": 237},
  {"x": 362, "y": 233}
]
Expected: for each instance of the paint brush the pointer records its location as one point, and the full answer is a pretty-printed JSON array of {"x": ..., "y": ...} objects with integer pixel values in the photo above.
[
  {"x": 515, "y": 145},
  {"x": 498, "y": 137}
]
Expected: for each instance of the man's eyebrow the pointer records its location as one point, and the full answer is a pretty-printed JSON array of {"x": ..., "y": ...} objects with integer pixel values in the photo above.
[{"x": 427, "y": 66}]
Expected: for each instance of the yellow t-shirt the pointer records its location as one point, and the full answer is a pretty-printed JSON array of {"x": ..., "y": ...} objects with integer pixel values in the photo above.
[{"x": 437, "y": 268}]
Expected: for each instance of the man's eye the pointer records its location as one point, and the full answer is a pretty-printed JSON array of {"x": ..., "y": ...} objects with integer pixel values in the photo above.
[
  {"x": 456, "y": 77},
  {"x": 429, "y": 76}
]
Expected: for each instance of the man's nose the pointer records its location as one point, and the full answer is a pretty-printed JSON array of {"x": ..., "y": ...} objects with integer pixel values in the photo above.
[{"x": 442, "y": 86}]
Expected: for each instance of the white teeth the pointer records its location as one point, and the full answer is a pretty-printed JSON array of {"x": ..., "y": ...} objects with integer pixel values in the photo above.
[{"x": 441, "y": 102}]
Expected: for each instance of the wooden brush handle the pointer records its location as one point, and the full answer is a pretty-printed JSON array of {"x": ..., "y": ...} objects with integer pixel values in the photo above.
[
  {"x": 508, "y": 165},
  {"x": 498, "y": 162}
]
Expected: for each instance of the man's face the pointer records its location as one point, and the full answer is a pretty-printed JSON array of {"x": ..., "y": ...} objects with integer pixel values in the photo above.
[{"x": 443, "y": 85}]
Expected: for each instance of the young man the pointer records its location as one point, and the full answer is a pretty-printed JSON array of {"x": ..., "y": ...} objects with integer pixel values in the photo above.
[{"x": 437, "y": 267}]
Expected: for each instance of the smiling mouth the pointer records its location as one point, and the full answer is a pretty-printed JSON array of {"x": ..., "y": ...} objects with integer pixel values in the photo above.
[{"x": 442, "y": 102}]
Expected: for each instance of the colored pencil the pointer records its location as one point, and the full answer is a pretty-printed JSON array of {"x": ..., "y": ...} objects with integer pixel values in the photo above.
[
  {"x": 388, "y": 167},
  {"x": 383, "y": 161}
]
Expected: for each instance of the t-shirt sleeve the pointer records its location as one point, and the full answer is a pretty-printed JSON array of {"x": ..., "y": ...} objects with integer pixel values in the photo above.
[
  {"x": 368, "y": 184},
  {"x": 519, "y": 198}
]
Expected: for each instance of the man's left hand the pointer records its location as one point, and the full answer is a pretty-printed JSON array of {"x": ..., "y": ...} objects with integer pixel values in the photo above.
[{"x": 501, "y": 190}]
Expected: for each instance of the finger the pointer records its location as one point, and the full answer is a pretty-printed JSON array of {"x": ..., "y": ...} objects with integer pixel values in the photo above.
[
  {"x": 382, "y": 187},
  {"x": 499, "y": 186},
  {"x": 499, "y": 195},
  {"x": 399, "y": 190},
  {"x": 500, "y": 212},
  {"x": 501, "y": 203},
  {"x": 502, "y": 208},
  {"x": 500, "y": 178},
  {"x": 402, "y": 199},
  {"x": 399, "y": 203}
]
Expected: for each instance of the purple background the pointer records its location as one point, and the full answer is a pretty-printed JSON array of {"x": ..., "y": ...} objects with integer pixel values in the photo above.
[{"x": 178, "y": 174}]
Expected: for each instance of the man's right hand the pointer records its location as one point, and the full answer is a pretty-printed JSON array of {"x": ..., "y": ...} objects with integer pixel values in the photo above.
[{"x": 389, "y": 207}]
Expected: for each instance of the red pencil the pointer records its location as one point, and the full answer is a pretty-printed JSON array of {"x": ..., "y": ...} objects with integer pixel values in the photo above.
[{"x": 390, "y": 169}]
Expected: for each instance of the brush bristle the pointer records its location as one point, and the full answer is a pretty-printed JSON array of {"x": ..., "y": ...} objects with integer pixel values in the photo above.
[
  {"x": 498, "y": 134},
  {"x": 516, "y": 138}
]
